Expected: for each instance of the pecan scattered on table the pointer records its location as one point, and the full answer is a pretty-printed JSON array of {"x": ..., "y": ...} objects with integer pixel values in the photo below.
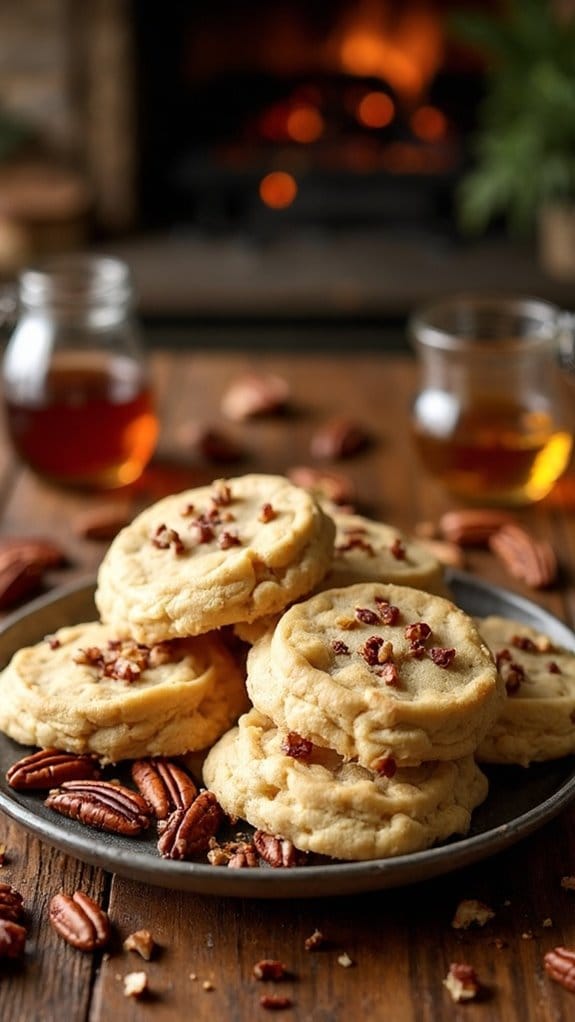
[
  {"x": 560, "y": 965},
  {"x": 80, "y": 921}
]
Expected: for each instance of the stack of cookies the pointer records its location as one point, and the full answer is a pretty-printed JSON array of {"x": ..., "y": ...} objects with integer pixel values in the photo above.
[{"x": 369, "y": 703}]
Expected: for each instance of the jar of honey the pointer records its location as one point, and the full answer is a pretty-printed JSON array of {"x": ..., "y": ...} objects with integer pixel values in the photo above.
[
  {"x": 76, "y": 393},
  {"x": 491, "y": 418}
]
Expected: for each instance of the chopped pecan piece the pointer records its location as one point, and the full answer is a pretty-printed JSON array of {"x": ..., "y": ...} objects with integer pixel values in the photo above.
[
  {"x": 513, "y": 674},
  {"x": 12, "y": 939},
  {"x": 524, "y": 642},
  {"x": 50, "y": 767},
  {"x": 560, "y": 965},
  {"x": 273, "y": 1002},
  {"x": 80, "y": 921},
  {"x": 221, "y": 494},
  {"x": 441, "y": 656},
  {"x": 163, "y": 538},
  {"x": 270, "y": 968},
  {"x": 371, "y": 649},
  {"x": 295, "y": 746},
  {"x": 388, "y": 613},
  {"x": 164, "y": 785},
  {"x": 10, "y": 903},
  {"x": 277, "y": 851},
  {"x": 417, "y": 632},
  {"x": 553, "y": 667},
  {"x": 340, "y": 648},
  {"x": 389, "y": 674},
  {"x": 188, "y": 831},
  {"x": 462, "y": 982},
  {"x": 101, "y": 804},
  {"x": 228, "y": 539},
  {"x": 397, "y": 549},
  {"x": 315, "y": 941},
  {"x": 367, "y": 616},
  {"x": 245, "y": 857},
  {"x": 267, "y": 513}
]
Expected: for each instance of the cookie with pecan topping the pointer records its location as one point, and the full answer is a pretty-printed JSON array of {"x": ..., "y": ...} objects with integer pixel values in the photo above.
[
  {"x": 233, "y": 551},
  {"x": 377, "y": 669},
  {"x": 536, "y": 720},
  {"x": 94, "y": 692},
  {"x": 325, "y": 805}
]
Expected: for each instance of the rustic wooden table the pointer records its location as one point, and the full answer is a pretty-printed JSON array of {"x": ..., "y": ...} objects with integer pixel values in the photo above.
[{"x": 400, "y": 941}]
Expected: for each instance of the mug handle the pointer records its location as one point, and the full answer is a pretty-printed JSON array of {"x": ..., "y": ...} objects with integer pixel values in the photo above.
[
  {"x": 8, "y": 306},
  {"x": 566, "y": 340}
]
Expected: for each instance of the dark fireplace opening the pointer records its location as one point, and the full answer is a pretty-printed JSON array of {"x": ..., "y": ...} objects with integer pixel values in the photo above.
[{"x": 260, "y": 115}]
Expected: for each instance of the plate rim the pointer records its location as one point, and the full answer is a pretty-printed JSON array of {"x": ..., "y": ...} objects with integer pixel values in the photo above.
[{"x": 311, "y": 881}]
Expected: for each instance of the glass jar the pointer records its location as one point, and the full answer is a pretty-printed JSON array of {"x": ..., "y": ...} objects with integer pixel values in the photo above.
[
  {"x": 490, "y": 419},
  {"x": 77, "y": 398}
]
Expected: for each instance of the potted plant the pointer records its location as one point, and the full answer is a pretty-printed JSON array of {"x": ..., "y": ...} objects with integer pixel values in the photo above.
[{"x": 525, "y": 145}]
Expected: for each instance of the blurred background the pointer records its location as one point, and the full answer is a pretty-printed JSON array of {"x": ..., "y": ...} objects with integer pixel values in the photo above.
[{"x": 263, "y": 164}]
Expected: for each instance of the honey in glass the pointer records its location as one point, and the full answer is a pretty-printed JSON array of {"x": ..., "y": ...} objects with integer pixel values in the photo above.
[
  {"x": 77, "y": 399},
  {"x": 490, "y": 420}
]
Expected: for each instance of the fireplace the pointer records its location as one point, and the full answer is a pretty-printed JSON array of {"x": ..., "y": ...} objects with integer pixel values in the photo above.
[{"x": 258, "y": 115}]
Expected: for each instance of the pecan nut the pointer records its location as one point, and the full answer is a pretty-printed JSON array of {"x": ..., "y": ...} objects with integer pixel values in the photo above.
[
  {"x": 449, "y": 554},
  {"x": 560, "y": 965},
  {"x": 101, "y": 522},
  {"x": 164, "y": 785},
  {"x": 10, "y": 903},
  {"x": 278, "y": 852},
  {"x": 338, "y": 438},
  {"x": 472, "y": 526},
  {"x": 526, "y": 558},
  {"x": 12, "y": 939},
  {"x": 42, "y": 553},
  {"x": 50, "y": 767},
  {"x": 18, "y": 579},
  {"x": 255, "y": 394},
  {"x": 103, "y": 805},
  {"x": 80, "y": 921},
  {"x": 333, "y": 486},
  {"x": 188, "y": 831}
]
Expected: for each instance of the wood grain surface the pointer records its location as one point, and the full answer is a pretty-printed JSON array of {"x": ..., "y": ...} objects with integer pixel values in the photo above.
[{"x": 400, "y": 942}]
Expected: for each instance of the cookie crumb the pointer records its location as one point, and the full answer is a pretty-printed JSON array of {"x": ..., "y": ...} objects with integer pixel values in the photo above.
[
  {"x": 462, "y": 982},
  {"x": 568, "y": 883},
  {"x": 527, "y": 935},
  {"x": 315, "y": 941},
  {"x": 471, "y": 912},
  {"x": 345, "y": 960},
  {"x": 207, "y": 985},
  {"x": 547, "y": 923},
  {"x": 135, "y": 984},
  {"x": 193, "y": 976},
  {"x": 142, "y": 942}
]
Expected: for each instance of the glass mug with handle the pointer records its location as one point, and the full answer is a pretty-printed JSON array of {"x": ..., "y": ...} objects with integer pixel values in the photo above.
[{"x": 491, "y": 418}]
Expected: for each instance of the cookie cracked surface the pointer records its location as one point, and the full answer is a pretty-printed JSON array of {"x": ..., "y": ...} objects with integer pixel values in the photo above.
[
  {"x": 233, "y": 551},
  {"x": 371, "y": 670},
  {"x": 334, "y": 808}
]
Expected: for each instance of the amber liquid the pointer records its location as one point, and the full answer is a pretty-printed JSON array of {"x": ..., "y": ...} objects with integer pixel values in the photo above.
[
  {"x": 497, "y": 452},
  {"x": 85, "y": 425}
]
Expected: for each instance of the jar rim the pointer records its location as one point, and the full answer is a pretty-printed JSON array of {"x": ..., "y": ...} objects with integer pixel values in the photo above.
[
  {"x": 81, "y": 279},
  {"x": 450, "y": 324}
]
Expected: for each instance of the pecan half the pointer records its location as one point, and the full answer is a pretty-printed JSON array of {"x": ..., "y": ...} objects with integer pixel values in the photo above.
[
  {"x": 275, "y": 1002},
  {"x": 164, "y": 785},
  {"x": 255, "y": 394},
  {"x": 270, "y": 968},
  {"x": 12, "y": 939},
  {"x": 188, "y": 831},
  {"x": 10, "y": 903},
  {"x": 560, "y": 965},
  {"x": 18, "y": 579},
  {"x": 80, "y": 921},
  {"x": 101, "y": 804},
  {"x": 526, "y": 558},
  {"x": 50, "y": 767},
  {"x": 333, "y": 486},
  {"x": 278, "y": 852},
  {"x": 472, "y": 526},
  {"x": 42, "y": 553},
  {"x": 339, "y": 437}
]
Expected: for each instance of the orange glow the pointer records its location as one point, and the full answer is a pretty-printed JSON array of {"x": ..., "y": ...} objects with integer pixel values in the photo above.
[
  {"x": 429, "y": 124},
  {"x": 375, "y": 110},
  {"x": 305, "y": 124},
  {"x": 278, "y": 189},
  {"x": 403, "y": 49}
]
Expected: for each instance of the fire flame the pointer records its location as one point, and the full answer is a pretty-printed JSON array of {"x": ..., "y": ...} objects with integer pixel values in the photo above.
[{"x": 403, "y": 48}]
